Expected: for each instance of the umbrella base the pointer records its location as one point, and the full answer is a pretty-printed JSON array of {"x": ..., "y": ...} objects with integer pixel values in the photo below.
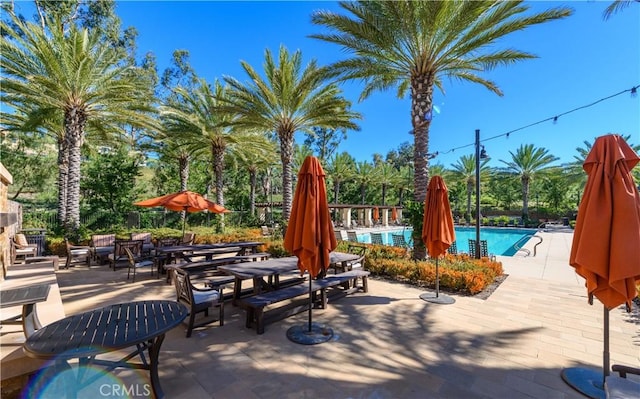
[
  {"x": 587, "y": 382},
  {"x": 439, "y": 299},
  {"x": 300, "y": 334}
]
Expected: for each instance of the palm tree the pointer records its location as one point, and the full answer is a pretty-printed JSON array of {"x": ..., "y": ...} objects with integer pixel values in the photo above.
[
  {"x": 194, "y": 116},
  {"x": 291, "y": 99},
  {"x": 617, "y": 5},
  {"x": 339, "y": 170},
  {"x": 527, "y": 162},
  {"x": 415, "y": 44},
  {"x": 254, "y": 158},
  {"x": 386, "y": 176},
  {"x": 75, "y": 76},
  {"x": 465, "y": 170},
  {"x": 364, "y": 176}
]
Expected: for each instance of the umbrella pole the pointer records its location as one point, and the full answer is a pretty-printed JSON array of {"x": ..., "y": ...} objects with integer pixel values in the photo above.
[
  {"x": 437, "y": 280},
  {"x": 605, "y": 352},
  {"x": 310, "y": 302}
]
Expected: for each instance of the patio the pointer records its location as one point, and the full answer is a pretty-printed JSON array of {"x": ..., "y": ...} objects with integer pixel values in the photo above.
[{"x": 389, "y": 343}]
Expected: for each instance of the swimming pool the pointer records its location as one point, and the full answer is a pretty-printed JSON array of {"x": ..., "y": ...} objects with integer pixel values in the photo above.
[{"x": 500, "y": 241}]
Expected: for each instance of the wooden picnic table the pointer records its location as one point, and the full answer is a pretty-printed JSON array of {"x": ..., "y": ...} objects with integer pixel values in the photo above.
[{"x": 270, "y": 270}]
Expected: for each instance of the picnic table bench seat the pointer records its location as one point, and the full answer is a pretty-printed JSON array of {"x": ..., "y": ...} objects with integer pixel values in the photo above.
[
  {"x": 200, "y": 266},
  {"x": 255, "y": 305}
]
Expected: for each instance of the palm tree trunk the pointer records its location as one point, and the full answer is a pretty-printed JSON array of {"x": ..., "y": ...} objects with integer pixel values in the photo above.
[
  {"x": 362, "y": 194},
  {"x": 525, "y": 197},
  {"x": 421, "y": 105},
  {"x": 286, "y": 156},
  {"x": 384, "y": 193},
  {"x": 217, "y": 151},
  {"x": 469, "y": 191},
  {"x": 74, "y": 131},
  {"x": 63, "y": 170},
  {"x": 252, "y": 191},
  {"x": 183, "y": 162},
  {"x": 336, "y": 191}
]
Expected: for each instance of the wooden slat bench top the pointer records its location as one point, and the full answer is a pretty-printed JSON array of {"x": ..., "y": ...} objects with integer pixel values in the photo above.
[{"x": 255, "y": 304}]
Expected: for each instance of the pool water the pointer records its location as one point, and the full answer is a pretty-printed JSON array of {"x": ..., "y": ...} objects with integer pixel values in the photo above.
[{"x": 500, "y": 241}]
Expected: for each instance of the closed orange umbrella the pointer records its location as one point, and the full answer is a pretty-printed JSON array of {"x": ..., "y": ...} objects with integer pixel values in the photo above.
[
  {"x": 183, "y": 201},
  {"x": 606, "y": 242},
  {"x": 438, "y": 232},
  {"x": 394, "y": 214},
  {"x": 376, "y": 214},
  {"x": 310, "y": 237}
]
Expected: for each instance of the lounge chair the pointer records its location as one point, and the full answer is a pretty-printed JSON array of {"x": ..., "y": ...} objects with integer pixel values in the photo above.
[
  {"x": 101, "y": 246},
  {"x": 399, "y": 241},
  {"x": 196, "y": 299},
  {"x": 453, "y": 249},
  {"x": 352, "y": 236},
  {"x": 338, "y": 234},
  {"x": 20, "y": 247},
  {"x": 376, "y": 238},
  {"x": 484, "y": 252}
]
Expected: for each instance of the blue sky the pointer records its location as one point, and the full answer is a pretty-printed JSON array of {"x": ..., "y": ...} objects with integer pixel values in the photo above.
[{"x": 583, "y": 59}]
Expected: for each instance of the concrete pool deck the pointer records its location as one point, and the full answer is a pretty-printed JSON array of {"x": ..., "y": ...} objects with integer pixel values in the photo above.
[{"x": 388, "y": 343}]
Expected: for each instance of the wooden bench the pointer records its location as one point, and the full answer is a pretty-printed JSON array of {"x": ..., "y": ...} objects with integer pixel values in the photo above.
[{"x": 255, "y": 305}]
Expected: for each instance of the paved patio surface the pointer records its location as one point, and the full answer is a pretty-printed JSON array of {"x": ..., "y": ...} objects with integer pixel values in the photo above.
[{"x": 388, "y": 343}]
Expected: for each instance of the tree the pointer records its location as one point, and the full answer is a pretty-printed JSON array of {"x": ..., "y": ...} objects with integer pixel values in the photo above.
[
  {"x": 413, "y": 45},
  {"x": 324, "y": 142},
  {"x": 464, "y": 170},
  {"x": 78, "y": 78},
  {"x": 108, "y": 184},
  {"x": 527, "y": 162},
  {"x": 385, "y": 176},
  {"x": 291, "y": 99}
]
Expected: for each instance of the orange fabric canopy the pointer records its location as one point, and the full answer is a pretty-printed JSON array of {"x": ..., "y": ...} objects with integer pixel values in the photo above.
[
  {"x": 606, "y": 242},
  {"x": 183, "y": 200},
  {"x": 310, "y": 234},
  {"x": 438, "y": 232}
]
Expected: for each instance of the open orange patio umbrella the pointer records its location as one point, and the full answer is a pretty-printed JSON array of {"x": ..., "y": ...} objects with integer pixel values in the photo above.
[
  {"x": 606, "y": 242},
  {"x": 310, "y": 237},
  {"x": 183, "y": 201},
  {"x": 438, "y": 232}
]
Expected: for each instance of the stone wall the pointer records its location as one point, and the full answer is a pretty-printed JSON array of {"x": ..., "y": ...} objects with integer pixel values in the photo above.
[{"x": 5, "y": 180}]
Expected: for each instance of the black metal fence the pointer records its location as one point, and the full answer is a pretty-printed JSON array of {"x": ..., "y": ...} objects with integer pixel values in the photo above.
[{"x": 104, "y": 220}]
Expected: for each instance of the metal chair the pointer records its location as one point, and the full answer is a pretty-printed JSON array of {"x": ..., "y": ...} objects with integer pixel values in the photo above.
[
  {"x": 119, "y": 255},
  {"x": 376, "y": 238},
  {"x": 135, "y": 263},
  {"x": 197, "y": 300}
]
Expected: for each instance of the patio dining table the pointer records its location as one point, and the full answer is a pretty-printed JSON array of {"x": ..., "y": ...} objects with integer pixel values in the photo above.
[{"x": 84, "y": 336}]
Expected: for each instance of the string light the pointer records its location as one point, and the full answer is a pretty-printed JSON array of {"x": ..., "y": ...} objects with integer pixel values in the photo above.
[{"x": 633, "y": 91}]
